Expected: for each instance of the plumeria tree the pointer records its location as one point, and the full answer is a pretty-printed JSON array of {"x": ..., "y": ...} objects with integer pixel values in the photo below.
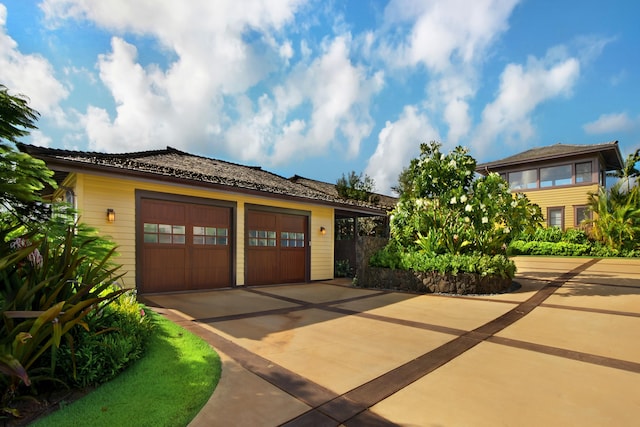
[{"x": 443, "y": 208}]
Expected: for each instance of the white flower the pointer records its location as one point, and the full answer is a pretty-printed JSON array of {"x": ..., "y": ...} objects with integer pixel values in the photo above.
[
  {"x": 453, "y": 200},
  {"x": 452, "y": 163},
  {"x": 467, "y": 219},
  {"x": 467, "y": 173},
  {"x": 506, "y": 230},
  {"x": 485, "y": 220},
  {"x": 442, "y": 156},
  {"x": 468, "y": 208},
  {"x": 463, "y": 198},
  {"x": 514, "y": 204}
]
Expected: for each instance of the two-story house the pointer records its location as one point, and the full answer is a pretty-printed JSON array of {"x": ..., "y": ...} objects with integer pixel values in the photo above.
[{"x": 559, "y": 177}]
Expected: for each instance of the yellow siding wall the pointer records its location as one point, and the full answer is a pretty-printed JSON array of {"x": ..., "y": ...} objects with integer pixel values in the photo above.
[
  {"x": 567, "y": 197},
  {"x": 95, "y": 194}
]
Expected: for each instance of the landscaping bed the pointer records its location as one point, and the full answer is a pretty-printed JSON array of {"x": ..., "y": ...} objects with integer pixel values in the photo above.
[{"x": 435, "y": 282}]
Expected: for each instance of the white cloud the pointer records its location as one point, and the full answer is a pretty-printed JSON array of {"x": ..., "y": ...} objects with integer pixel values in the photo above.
[
  {"x": 522, "y": 90},
  {"x": 222, "y": 52},
  {"x": 612, "y": 123},
  {"x": 40, "y": 139},
  {"x": 334, "y": 95},
  {"x": 30, "y": 75},
  {"x": 444, "y": 33},
  {"x": 398, "y": 143},
  {"x": 450, "y": 40}
]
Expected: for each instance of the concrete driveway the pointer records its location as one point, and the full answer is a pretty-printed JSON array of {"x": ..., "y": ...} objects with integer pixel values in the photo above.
[{"x": 562, "y": 350}]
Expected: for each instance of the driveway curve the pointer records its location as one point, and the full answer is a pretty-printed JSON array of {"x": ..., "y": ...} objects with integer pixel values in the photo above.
[{"x": 564, "y": 349}]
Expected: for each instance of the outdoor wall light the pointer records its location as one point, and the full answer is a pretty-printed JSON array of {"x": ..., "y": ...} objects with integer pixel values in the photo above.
[
  {"x": 111, "y": 215},
  {"x": 323, "y": 231}
]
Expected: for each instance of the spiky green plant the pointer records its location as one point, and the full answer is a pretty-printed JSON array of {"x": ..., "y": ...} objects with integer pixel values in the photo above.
[
  {"x": 616, "y": 220},
  {"x": 45, "y": 291}
]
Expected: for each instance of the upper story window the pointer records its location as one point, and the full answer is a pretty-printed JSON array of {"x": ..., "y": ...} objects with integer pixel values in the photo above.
[
  {"x": 551, "y": 176},
  {"x": 583, "y": 172},
  {"x": 555, "y": 175},
  {"x": 523, "y": 179}
]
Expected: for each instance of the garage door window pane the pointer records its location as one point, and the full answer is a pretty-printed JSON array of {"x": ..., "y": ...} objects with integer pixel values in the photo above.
[
  {"x": 262, "y": 238},
  {"x": 210, "y": 235},
  {"x": 150, "y": 228},
  {"x": 150, "y": 238},
  {"x": 292, "y": 240},
  {"x": 164, "y": 233}
]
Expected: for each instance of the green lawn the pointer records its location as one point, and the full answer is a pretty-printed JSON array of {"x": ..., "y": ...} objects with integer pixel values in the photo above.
[{"x": 167, "y": 387}]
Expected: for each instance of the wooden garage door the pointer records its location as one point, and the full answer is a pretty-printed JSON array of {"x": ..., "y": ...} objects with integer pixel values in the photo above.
[
  {"x": 185, "y": 246},
  {"x": 276, "y": 246}
]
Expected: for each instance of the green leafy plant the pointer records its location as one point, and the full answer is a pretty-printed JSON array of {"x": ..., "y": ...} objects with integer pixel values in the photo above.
[
  {"x": 443, "y": 209},
  {"x": 357, "y": 187},
  {"x": 343, "y": 268},
  {"x": 449, "y": 222},
  {"x": 44, "y": 296},
  {"x": 616, "y": 221},
  {"x": 117, "y": 335}
]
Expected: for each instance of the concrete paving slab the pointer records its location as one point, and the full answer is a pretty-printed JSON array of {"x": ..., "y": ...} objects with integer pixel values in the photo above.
[
  {"x": 243, "y": 399},
  {"x": 595, "y": 333},
  {"x": 317, "y": 292},
  {"x": 528, "y": 287},
  {"x": 453, "y": 312},
  {"x": 582, "y": 295},
  {"x": 344, "y": 350},
  {"x": 494, "y": 385},
  {"x": 202, "y": 305},
  {"x": 573, "y": 360}
]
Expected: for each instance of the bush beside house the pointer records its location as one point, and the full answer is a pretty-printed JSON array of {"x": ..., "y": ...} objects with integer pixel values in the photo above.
[
  {"x": 59, "y": 309},
  {"x": 449, "y": 227}
]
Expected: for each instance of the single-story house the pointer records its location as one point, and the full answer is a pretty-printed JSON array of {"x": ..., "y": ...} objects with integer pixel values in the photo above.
[
  {"x": 186, "y": 222},
  {"x": 559, "y": 177}
]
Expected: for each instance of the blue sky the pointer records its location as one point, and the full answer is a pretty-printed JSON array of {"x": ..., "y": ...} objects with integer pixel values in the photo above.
[{"x": 320, "y": 88}]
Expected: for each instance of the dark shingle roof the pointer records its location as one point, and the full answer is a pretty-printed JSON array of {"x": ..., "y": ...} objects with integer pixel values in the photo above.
[
  {"x": 609, "y": 151},
  {"x": 171, "y": 163}
]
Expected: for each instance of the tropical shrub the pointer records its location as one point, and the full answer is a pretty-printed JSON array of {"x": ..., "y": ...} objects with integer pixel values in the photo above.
[
  {"x": 45, "y": 292},
  {"x": 116, "y": 337},
  {"x": 616, "y": 221},
  {"x": 444, "y": 210},
  {"x": 448, "y": 221}
]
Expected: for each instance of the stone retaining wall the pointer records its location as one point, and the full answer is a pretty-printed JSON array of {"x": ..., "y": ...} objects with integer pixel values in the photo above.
[{"x": 432, "y": 281}]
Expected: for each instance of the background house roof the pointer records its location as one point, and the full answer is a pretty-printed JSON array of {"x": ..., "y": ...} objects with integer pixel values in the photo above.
[
  {"x": 173, "y": 164},
  {"x": 330, "y": 189},
  {"x": 609, "y": 151}
]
